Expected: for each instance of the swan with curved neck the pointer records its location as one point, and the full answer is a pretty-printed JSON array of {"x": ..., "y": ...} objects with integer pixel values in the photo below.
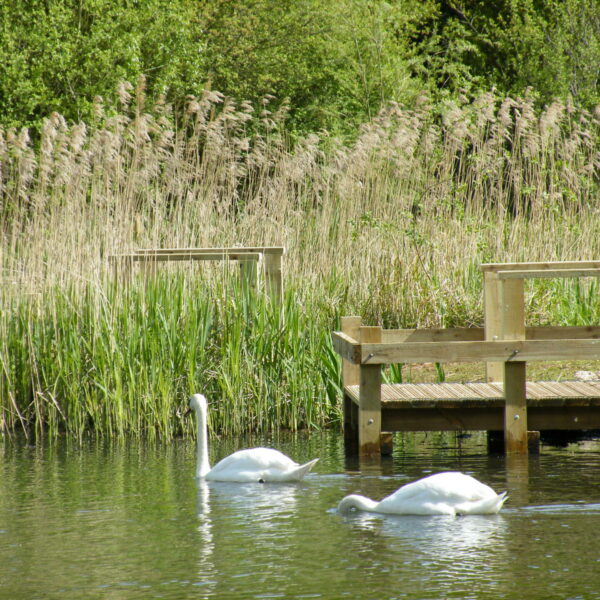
[
  {"x": 244, "y": 466},
  {"x": 448, "y": 493}
]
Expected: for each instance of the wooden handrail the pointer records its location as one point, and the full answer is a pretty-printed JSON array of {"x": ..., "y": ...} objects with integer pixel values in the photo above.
[
  {"x": 477, "y": 334},
  {"x": 232, "y": 250},
  {"x": 541, "y": 266},
  {"x": 268, "y": 257},
  {"x": 503, "y": 351},
  {"x": 179, "y": 256},
  {"x": 469, "y": 351},
  {"x": 549, "y": 273}
]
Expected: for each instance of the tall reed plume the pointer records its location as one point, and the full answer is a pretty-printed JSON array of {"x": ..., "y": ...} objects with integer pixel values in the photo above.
[{"x": 392, "y": 226}]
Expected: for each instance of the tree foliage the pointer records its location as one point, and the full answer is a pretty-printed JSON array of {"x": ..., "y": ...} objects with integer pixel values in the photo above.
[
  {"x": 336, "y": 61},
  {"x": 551, "y": 46}
]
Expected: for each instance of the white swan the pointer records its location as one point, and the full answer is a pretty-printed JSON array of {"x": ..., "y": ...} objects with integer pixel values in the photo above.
[
  {"x": 244, "y": 466},
  {"x": 447, "y": 493}
]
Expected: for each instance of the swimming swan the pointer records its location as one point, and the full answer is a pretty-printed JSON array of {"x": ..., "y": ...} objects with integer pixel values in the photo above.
[
  {"x": 447, "y": 493},
  {"x": 244, "y": 466}
]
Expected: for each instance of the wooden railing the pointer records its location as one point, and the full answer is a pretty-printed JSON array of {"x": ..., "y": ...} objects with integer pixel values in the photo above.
[
  {"x": 365, "y": 350},
  {"x": 252, "y": 260},
  {"x": 504, "y": 297}
]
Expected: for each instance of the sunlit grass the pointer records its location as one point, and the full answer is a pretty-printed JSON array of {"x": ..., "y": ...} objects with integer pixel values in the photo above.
[{"x": 127, "y": 364}]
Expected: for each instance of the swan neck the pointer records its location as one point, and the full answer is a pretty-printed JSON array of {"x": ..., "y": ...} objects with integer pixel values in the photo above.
[{"x": 202, "y": 462}]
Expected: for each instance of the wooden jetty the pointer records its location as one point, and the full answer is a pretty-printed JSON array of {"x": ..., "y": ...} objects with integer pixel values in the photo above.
[
  {"x": 269, "y": 258},
  {"x": 507, "y": 402}
]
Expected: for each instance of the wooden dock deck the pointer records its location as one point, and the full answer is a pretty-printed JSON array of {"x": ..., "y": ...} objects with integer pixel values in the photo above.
[
  {"x": 507, "y": 402},
  {"x": 551, "y": 405}
]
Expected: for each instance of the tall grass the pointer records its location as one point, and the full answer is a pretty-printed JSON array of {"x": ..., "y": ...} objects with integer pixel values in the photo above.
[
  {"x": 125, "y": 363},
  {"x": 392, "y": 226}
]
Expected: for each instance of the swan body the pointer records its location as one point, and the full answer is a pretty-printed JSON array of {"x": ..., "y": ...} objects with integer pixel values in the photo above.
[
  {"x": 244, "y": 466},
  {"x": 449, "y": 493}
]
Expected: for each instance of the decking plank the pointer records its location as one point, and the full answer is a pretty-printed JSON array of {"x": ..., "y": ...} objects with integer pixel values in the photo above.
[{"x": 480, "y": 393}]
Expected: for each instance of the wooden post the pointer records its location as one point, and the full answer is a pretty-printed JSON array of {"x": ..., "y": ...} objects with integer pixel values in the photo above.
[
  {"x": 369, "y": 411},
  {"x": 515, "y": 409},
  {"x": 492, "y": 321},
  {"x": 273, "y": 275},
  {"x": 515, "y": 373},
  {"x": 350, "y": 376},
  {"x": 351, "y": 372},
  {"x": 504, "y": 301},
  {"x": 513, "y": 309},
  {"x": 387, "y": 443}
]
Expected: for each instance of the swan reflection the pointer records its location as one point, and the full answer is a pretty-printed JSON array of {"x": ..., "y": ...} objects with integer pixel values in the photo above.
[
  {"x": 263, "y": 505},
  {"x": 455, "y": 545},
  {"x": 232, "y": 515},
  {"x": 207, "y": 571}
]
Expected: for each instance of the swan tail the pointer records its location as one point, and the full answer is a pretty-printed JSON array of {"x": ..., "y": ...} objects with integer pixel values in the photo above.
[
  {"x": 502, "y": 498},
  {"x": 487, "y": 506},
  {"x": 299, "y": 472}
]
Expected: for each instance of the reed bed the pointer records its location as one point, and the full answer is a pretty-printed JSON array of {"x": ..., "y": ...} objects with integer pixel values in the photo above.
[{"x": 392, "y": 226}]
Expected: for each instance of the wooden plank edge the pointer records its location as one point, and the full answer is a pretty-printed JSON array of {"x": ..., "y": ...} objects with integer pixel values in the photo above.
[
  {"x": 235, "y": 250},
  {"x": 523, "y": 266},
  {"x": 346, "y": 347},
  {"x": 475, "y": 334},
  {"x": 149, "y": 258},
  {"x": 500, "y": 350},
  {"x": 548, "y": 274}
]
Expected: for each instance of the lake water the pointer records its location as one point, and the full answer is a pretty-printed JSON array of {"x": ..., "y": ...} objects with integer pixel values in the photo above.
[{"x": 125, "y": 521}]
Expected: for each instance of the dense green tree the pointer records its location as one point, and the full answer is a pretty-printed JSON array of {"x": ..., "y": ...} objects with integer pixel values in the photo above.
[
  {"x": 59, "y": 54},
  {"x": 335, "y": 61},
  {"x": 551, "y": 46}
]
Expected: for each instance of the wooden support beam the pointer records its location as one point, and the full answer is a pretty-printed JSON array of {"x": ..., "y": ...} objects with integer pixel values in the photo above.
[
  {"x": 273, "y": 275},
  {"x": 450, "y": 334},
  {"x": 492, "y": 322},
  {"x": 369, "y": 411},
  {"x": 351, "y": 330},
  {"x": 515, "y": 410},
  {"x": 478, "y": 334},
  {"x": 350, "y": 376},
  {"x": 541, "y": 266},
  {"x": 548, "y": 273},
  {"x": 512, "y": 297},
  {"x": 209, "y": 251},
  {"x": 507, "y": 350},
  {"x": 248, "y": 258},
  {"x": 504, "y": 315},
  {"x": 184, "y": 256}
]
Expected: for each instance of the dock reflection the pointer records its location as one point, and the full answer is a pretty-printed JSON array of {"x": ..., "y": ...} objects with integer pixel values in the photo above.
[{"x": 517, "y": 478}]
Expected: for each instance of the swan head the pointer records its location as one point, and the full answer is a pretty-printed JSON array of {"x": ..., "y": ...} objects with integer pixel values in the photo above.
[{"x": 198, "y": 402}]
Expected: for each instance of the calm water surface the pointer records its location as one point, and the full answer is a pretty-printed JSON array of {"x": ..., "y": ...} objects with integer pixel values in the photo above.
[{"x": 130, "y": 521}]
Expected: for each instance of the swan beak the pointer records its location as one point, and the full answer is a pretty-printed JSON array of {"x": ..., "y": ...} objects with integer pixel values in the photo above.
[{"x": 188, "y": 412}]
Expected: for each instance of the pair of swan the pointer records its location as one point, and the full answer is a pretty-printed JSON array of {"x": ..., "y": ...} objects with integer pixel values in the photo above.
[{"x": 447, "y": 493}]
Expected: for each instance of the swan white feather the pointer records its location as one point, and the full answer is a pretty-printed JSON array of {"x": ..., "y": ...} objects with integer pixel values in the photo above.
[
  {"x": 449, "y": 493},
  {"x": 244, "y": 466}
]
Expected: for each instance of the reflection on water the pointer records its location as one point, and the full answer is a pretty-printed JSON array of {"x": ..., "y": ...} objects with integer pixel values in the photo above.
[
  {"x": 130, "y": 521},
  {"x": 206, "y": 573},
  {"x": 584, "y": 507},
  {"x": 460, "y": 548},
  {"x": 517, "y": 478}
]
